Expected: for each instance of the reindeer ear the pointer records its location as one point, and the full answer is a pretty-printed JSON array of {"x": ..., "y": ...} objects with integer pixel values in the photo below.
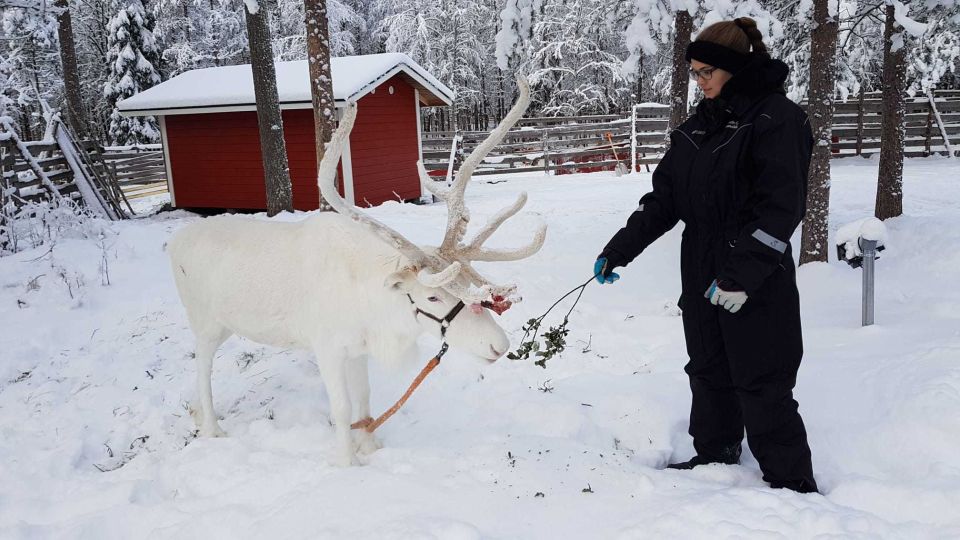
[{"x": 401, "y": 280}]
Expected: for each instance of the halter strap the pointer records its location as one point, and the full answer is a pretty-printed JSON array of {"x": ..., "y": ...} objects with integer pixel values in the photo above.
[{"x": 444, "y": 322}]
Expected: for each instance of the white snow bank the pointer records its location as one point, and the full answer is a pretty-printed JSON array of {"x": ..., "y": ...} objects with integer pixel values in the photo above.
[{"x": 99, "y": 381}]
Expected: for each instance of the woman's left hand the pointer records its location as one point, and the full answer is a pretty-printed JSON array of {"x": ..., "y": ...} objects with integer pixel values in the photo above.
[{"x": 727, "y": 294}]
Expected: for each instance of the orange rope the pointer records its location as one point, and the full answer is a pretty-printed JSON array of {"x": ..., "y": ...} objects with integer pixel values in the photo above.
[{"x": 370, "y": 424}]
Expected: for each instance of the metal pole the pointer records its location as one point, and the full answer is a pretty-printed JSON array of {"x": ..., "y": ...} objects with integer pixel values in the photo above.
[
  {"x": 633, "y": 139},
  {"x": 869, "y": 248}
]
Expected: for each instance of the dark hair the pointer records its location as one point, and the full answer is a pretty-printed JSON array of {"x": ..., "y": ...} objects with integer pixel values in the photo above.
[{"x": 740, "y": 34}]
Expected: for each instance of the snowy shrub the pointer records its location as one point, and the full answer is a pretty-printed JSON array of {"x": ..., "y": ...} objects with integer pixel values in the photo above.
[{"x": 30, "y": 225}]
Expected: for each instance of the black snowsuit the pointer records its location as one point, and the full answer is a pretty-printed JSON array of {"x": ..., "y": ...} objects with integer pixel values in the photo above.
[{"x": 736, "y": 175}]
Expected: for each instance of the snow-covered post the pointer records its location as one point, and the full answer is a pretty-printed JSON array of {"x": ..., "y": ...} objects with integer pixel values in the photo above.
[
  {"x": 869, "y": 256},
  {"x": 872, "y": 233},
  {"x": 633, "y": 138},
  {"x": 858, "y": 244},
  {"x": 943, "y": 131},
  {"x": 457, "y": 139}
]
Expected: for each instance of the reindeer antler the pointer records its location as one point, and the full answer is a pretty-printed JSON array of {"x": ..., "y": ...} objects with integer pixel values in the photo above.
[
  {"x": 449, "y": 265},
  {"x": 433, "y": 271},
  {"x": 458, "y": 217}
]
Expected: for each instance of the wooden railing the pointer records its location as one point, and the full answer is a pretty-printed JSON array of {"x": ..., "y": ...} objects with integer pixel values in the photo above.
[
  {"x": 579, "y": 144},
  {"x": 857, "y": 124},
  {"x": 562, "y": 144},
  {"x": 140, "y": 170}
]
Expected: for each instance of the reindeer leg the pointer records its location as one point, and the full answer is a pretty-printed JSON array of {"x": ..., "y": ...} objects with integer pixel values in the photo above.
[
  {"x": 333, "y": 370},
  {"x": 206, "y": 347},
  {"x": 359, "y": 380}
]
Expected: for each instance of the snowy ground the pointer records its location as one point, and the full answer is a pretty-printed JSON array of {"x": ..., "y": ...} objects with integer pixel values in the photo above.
[{"x": 95, "y": 441}]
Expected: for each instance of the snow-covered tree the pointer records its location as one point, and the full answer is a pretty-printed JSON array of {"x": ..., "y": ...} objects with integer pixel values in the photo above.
[
  {"x": 31, "y": 62},
  {"x": 934, "y": 57},
  {"x": 572, "y": 50},
  {"x": 133, "y": 59},
  {"x": 200, "y": 34}
]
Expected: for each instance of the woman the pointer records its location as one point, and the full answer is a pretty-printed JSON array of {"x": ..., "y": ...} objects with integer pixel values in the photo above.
[{"x": 736, "y": 175}]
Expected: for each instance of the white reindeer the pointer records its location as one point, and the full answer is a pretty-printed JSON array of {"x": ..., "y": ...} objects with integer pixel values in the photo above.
[{"x": 344, "y": 286}]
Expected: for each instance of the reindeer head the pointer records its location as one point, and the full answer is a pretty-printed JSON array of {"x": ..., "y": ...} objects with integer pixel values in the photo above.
[
  {"x": 446, "y": 268},
  {"x": 441, "y": 314}
]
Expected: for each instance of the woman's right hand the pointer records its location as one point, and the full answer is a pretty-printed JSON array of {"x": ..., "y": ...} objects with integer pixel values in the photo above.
[{"x": 603, "y": 270}]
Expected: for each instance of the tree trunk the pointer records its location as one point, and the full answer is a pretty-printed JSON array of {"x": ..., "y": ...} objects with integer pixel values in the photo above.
[
  {"x": 823, "y": 70},
  {"x": 71, "y": 78},
  {"x": 321, "y": 81},
  {"x": 890, "y": 181},
  {"x": 272, "y": 146},
  {"x": 680, "y": 78}
]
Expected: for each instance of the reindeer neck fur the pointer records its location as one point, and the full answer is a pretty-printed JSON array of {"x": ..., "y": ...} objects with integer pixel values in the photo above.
[{"x": 365, "y": 262}]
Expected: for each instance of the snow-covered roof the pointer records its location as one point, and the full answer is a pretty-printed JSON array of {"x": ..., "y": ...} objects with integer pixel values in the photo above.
[{"x": 230, "y": 88}]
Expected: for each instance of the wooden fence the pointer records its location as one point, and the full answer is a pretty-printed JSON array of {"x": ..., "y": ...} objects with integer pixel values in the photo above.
[
  {"x": 61, "y": 167},
  {"x": 139, "y": 169},
  {"x": 857, "y": 124},
  {"x": 579, "y": 144},
  {"x": 561, "y": 144}
]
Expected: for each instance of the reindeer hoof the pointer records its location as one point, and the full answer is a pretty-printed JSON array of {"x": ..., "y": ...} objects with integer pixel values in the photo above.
[
  {"x": 368, "y": 444},
  {"x": 212, "y": 431},
  {"x": 342, "y": 459}
]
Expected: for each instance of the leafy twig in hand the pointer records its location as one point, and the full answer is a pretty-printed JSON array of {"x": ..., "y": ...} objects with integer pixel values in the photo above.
[{"x": 554, "y": 338}]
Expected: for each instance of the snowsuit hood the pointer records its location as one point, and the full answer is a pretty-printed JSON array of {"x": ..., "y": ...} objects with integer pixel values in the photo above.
[{"x": 761, "y": 77}]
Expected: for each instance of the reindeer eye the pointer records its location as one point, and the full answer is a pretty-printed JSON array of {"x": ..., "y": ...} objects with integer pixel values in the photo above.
[{"x": 433, "y": 299}]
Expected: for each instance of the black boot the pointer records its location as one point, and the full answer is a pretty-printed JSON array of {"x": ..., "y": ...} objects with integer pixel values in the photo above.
[
  {"x": 800, "y": 486},
  {"x": 727, "y": 456}
]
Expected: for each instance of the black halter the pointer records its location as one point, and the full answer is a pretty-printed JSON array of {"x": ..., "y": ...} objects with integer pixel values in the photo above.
[{"x": 444, "y": 322}]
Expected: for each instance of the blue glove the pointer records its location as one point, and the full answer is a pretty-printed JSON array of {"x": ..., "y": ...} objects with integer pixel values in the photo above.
[{"x": 603, "y": 271}]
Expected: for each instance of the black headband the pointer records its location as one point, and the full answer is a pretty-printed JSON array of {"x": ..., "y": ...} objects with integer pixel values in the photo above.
[{"x": 717, "y": 56}]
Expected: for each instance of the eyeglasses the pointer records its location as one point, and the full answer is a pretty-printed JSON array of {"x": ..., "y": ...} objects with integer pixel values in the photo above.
[{"x": 705, "y": 73}]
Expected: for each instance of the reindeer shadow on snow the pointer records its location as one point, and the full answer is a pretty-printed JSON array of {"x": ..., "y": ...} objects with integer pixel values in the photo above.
[{"x": 345, "y": 287}]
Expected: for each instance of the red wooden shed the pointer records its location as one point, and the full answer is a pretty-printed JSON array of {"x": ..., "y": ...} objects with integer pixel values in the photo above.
[{"x": 211, "y": 142}]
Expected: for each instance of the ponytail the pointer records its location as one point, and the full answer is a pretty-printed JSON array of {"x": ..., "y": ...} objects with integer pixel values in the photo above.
[{"x": 740, "y": 34}]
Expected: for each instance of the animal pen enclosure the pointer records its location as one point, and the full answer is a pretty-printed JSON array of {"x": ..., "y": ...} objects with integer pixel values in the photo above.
[{"x": 580, "y": 144}]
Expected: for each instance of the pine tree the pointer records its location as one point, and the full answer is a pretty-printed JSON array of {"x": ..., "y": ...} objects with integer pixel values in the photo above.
[
  {"x": 321, "y": 80},
  {"x": 890, "y": 181},
  {"x": 201, "y": 34},
  {"x": 29, "y": 36},
  {"x": 272, "y": 145},
  {"x": 76, "y": 116},
  {"x": 133, "y": 59},
  {"x": 823, "y": 68},
  {"x": 680, "y": 81}
]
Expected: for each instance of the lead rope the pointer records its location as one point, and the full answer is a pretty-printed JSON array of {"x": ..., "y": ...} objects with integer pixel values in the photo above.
[{"x": 369, "y": 424}]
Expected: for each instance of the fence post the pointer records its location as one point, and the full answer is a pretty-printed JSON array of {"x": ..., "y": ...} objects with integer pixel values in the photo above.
[
  {"x": 546, "y": 153},
  {"x": 869, "y": 256},
  {"x": 633, "y": 138},
  {"x": 929, "y": 131},
  {"x": 943, "y": 130},
  {"x": 7, "y": 236},
  {"x": 860, "y": 123}
]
